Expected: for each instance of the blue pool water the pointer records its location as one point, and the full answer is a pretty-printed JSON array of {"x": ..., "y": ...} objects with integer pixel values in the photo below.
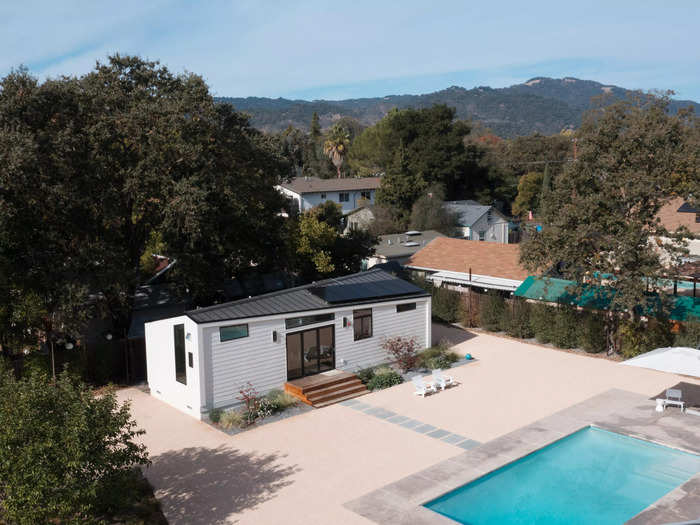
[{"x": 591, "y": 476}]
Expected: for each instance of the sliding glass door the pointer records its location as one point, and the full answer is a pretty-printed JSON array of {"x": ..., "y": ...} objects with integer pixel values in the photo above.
[{"x": 310, "y": 352}]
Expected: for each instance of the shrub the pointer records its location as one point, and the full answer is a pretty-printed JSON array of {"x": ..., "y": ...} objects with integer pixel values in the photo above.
[
  {"x": 591, "y": 335},
  {"x": 384, "y": 379},
  {"x": 446, "y": 305},
  {"x": 638, "y": 337},
  {"x": 403, "y": 350},
  {"x": 517, "y": 319},
  {"x": 542, "y": 320},
  {"x": 689, "y": 335},
  {"x": 565, "y": 328},
  {"x": 492, "y": 311},
  {"x": 66, "y": 455},
  {"x": 366, "y": 374},
  {"x": 233, "y": 418},
  {"x": 280, "y": 400},
  {"x": 439, "y": 356},
  {"x": 215, "y": 415}
]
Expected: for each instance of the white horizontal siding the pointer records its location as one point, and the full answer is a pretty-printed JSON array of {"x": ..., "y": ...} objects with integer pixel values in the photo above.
[
  {"x": 255, "y": 359},
  {"x": 386, "y": 323},
  {"x": 263, "y": 363}
]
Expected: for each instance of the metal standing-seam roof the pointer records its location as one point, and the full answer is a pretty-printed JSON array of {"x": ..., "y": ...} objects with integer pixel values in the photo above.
[{"x": 359, "y": 288}]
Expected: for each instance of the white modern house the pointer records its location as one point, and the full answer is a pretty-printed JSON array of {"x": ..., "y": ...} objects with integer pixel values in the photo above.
[
  {"x": 200, "y": 360},
  {"x": 350, "y": 193},
  {"x": 477, "y": 222}
]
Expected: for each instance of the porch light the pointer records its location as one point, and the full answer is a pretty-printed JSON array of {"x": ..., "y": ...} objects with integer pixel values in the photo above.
[{"x": 274, "y": 336}]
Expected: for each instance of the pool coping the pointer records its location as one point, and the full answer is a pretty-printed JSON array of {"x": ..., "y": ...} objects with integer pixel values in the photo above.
[{"x": 401, "y": 502}]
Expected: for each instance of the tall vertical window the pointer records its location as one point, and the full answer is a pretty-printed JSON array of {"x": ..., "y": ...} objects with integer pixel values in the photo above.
[
  {"x": 343, "y": 197},
  {"x": 482, "y": 236},
  {"x": 362, "y": 322},
  {"x": 179, "y": 337}
]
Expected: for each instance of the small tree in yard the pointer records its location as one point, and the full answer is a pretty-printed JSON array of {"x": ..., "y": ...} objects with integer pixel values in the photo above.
[
  {"x": 66, "y": 454},
  {"x": 404, "y": 350}
]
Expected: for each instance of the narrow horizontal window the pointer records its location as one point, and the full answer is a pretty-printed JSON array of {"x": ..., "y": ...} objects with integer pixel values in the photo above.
[
  {"x": 228, "y": 333},
  {"x": 296, "y": 322},
  {"x": 405, "y": 307}
]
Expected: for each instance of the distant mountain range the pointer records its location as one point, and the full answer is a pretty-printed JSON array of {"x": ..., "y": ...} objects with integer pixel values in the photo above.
[{"x": 544, "y": 105}]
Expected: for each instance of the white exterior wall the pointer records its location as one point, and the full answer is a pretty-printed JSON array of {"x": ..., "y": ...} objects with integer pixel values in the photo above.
[
  {"x": 353, "y": 355},
  {"x": 160, "y": 361},
  {"x": 222, "y": 368},
  {"x": 496, "y": 227},
  {"x": 306, "y": 201},
  {"x": 255, "y": 359}
]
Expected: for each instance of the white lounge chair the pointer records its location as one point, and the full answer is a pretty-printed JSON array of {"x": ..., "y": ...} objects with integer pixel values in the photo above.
[
  {"x": 422, "y": 388},
  {"x": 673, "y": 397},
  {"x": 441, "y": 380}
]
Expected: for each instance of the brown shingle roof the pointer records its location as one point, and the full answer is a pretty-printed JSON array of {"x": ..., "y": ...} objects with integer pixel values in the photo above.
[
  {"x": 315, "y": 184},
  {"x": 671, "y": 218},
  {"x": 484, "y": 258}
]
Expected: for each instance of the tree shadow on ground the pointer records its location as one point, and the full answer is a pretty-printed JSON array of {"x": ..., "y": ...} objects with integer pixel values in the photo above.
[
  {"x": 454, "y": 335},
  {"x": 205, "y": 485}
]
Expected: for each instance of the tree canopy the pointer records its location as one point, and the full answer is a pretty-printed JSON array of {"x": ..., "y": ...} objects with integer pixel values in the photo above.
[
  {"x": 65, "y": 453},
  {"x": 416, "y": 149},
  {"x": 91, "y": 168},
  {"x": 600, "y": 216}
]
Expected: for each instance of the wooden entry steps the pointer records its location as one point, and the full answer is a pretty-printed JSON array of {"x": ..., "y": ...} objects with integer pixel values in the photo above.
[{"x": 326, "y": 388}]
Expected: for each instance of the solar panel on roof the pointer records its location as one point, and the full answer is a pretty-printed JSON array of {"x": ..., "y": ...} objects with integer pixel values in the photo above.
[{"x": 339, "y": 293}]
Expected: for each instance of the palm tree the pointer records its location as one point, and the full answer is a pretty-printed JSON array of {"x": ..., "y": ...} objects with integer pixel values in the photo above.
[{"x": 336, "y": 146}]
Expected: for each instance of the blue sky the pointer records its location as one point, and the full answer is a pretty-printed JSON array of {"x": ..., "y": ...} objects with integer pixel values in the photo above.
[{"x": 314, "y": 49}]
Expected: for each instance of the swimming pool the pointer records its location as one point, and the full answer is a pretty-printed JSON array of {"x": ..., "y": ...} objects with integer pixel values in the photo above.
[{"x": 591, "y": 476}]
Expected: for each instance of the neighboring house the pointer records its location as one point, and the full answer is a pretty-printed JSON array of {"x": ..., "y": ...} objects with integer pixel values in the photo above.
[
  {"x": 399, "y": 247},
  {"x": 359, "y": 219},
  {"x": 350, "y": 193},
  {"x": 461, "y": 264},
  {"x": 477, "y": 222},
  {"x": 677, "y": 213},
  {"x": 201, "y": 359}
]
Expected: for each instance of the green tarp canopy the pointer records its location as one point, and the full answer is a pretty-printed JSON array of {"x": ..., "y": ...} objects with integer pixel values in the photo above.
[{"x": 551, "y": 290}]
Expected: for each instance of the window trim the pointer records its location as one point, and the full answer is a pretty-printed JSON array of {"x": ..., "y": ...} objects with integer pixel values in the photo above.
[
  {"x": 323, "y": 196},
  {"x": 343, "y": 193},
  {"x": 221, "y": 338},
  {"x": 307, "y": 320},
  {"x": 405, "y": 307},
  {"x": 359, "y": 316},
  {"x": 180, "y": 353},
  {"x": 367, "y": 195}
]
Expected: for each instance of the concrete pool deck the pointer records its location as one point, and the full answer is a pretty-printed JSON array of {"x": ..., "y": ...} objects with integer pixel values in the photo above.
[
  {"x": 305, "y": 469},
  {"x": 616, "y": 410}
]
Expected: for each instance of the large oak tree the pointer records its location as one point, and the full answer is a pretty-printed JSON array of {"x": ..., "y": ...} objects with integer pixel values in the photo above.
[{"x": 91, "y": 167}]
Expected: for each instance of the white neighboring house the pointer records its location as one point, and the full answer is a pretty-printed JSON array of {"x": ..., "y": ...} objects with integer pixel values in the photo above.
[
  {"x": 477, "y": 222},
  {"x": 200, "y": 360},
  {"x": 350, "y": 193}
]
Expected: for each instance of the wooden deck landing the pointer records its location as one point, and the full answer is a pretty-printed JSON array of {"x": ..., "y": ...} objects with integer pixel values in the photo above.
[{"x": 326, "y": 388}]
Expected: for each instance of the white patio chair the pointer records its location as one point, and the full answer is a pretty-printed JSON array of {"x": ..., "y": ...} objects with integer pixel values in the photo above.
[
  {"x": 674, "y": 398},
  {"x": 422, "y": 388},
  {"x": 442, "y": 380}
]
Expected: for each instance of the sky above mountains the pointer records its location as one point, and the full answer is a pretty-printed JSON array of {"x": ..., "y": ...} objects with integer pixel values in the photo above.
[{"x": 313, "y": 49}]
